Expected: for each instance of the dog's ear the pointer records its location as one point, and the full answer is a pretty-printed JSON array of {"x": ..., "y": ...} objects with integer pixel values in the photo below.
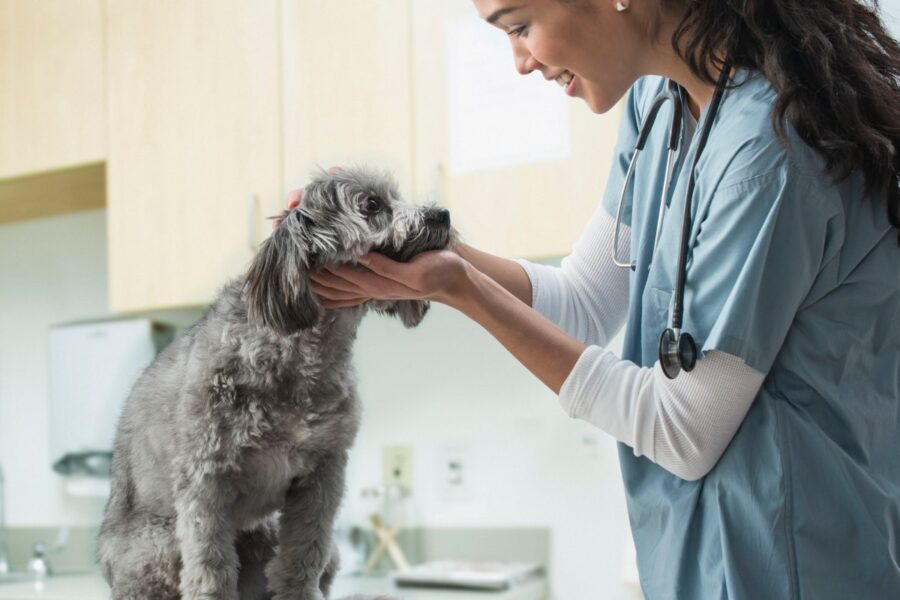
[
  {"x": 410, "y": 312},
  {"x": 276, "y": 288}
]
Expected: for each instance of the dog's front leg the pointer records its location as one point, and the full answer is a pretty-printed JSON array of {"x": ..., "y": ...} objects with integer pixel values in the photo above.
[
  {"x": 207, "y": 539},
  {"x": 304, "y": 541}
]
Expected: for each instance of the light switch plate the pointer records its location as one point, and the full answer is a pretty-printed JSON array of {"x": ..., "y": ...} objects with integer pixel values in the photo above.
[{"x": 397, "y": 464}]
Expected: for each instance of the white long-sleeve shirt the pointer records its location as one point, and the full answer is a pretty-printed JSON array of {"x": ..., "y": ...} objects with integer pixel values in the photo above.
[{"x": 682, "y": 424}]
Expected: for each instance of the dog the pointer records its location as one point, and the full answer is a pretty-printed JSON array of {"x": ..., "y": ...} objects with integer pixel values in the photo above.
[{"x": 229, "y": 459}]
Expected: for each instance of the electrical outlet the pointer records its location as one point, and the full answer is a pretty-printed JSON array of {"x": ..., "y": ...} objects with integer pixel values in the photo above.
[
  {"x": 397, "y": 466},
  {"x": 454, "y": 473}
]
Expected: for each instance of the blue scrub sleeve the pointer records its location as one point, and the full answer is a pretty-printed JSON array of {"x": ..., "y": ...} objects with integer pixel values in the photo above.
[{"x": 761, "y": 244}]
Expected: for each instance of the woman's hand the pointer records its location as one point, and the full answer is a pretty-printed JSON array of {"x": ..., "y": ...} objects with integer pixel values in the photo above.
[
  {"x": 438, "y": 275},
  {"x": 293, "y": 201}
]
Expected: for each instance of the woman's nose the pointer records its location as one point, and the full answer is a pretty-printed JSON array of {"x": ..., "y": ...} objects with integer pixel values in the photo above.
[{"x": 525, "y": 62}]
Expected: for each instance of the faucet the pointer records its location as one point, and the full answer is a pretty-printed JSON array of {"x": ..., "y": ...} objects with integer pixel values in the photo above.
[
  {"x": 4, "y": 546},
  {"x": 38, "y": 567}
]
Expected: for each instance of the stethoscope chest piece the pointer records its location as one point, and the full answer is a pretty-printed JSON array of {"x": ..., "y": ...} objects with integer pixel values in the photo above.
[{"x": 677, "y": 352}]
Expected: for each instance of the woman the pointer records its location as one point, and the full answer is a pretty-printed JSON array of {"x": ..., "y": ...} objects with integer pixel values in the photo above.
[{"x": 772, "y": 469}]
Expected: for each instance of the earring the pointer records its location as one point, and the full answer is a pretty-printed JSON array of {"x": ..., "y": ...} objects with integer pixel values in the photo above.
[{"x": 621, "y": 7}]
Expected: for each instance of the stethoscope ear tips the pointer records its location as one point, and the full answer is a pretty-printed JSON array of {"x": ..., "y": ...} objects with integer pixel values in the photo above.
[{"x": 676, "y": 353}]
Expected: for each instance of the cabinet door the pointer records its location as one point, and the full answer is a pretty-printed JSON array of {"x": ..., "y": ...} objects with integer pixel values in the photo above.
[
  {"x": 347, "y": 87},
  {"x": 517, "y": 184},
  {"x": 52, "y": 95},
  {"x": 194, "y": 145}
]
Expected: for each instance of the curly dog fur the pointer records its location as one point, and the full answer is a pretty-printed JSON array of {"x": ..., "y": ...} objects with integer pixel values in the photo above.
[{"x": 229, "y": 458}]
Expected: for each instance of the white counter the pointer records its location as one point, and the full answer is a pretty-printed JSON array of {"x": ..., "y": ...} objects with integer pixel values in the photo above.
[
  {"x": 93, "y": 587},
  {"x": 63, "y": 587}
]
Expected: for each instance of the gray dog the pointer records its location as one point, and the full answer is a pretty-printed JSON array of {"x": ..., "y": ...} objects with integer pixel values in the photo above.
[{"x": 229, "y": 459}]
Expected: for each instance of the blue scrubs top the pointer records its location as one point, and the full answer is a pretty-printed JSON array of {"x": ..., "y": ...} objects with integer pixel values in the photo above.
[{"x": 800, "y": 277}]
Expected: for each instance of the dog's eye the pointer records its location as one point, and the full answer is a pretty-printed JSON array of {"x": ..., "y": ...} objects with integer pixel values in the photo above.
[{"x": 372, "y": 205}]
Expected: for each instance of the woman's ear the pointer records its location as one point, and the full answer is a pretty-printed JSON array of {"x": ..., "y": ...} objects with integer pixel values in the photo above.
[{"x": 276, "y": 287}]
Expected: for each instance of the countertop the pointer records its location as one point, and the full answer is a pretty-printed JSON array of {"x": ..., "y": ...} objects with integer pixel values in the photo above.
[{"x": 91, "y": 586}]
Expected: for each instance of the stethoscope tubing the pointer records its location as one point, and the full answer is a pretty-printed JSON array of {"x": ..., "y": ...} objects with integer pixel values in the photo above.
[
  {"x": 677, "y": 351},
  {"x": 670, "y": 94},
  {"x": 678, "y": 309}
]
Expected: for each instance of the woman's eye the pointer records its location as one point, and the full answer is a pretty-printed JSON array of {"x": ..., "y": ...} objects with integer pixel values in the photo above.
[
  {"x": 518, "y": 31},
  {"x": 372, "y": 205}
]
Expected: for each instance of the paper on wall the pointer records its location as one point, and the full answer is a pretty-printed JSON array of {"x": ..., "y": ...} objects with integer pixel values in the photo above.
[
  {"x": 88, "y": 487},
  {"x": 496, "y": 116}
]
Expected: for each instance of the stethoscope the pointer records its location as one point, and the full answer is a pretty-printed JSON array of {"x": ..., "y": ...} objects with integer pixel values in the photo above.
[{"x": 677, "y": 350}]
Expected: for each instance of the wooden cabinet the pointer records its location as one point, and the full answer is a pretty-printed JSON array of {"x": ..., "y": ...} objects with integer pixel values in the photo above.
[
  {"x": 347, "y": 87},
  {"x": 215, "y": 103},
  {"x": 217, "y": 107},
  {"x": 52, "y": 95},
  {"x": 194, "y": 145},
  {"x": 527, "y": 209}
]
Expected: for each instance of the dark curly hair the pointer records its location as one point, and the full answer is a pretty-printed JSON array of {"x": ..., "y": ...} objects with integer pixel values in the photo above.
[{"x": 833, "y": 64}]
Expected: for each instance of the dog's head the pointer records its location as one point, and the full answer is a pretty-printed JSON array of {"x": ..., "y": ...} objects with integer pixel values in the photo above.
[{"x": 343, "y": 216}]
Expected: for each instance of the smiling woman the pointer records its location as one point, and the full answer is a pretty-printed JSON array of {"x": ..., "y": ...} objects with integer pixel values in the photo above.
[
  {"x": 578, "y": 42},
  {"x": 770, "y": 470}
]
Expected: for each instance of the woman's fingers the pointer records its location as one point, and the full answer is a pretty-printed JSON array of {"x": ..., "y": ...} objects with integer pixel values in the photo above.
[
  {"x": 426, "y": 274},
  {"x": 429, "y": 275},
  {"x": 334, "y": 292},
  {"x": 293, "y": 201},
  {"x": 330, "y": 293},
  {"x": 381, "y": 264},
  {"x": 294, "y": 198},
  {"x": 405, "y": 275},
  {"x": 332, "y": 304},
  {"x": 330, "y": 280},
  {"x": 277, "y": 219},
  {"x": 365, "y": 282}
]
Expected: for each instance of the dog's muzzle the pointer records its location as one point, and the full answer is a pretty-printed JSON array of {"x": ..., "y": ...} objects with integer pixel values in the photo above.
[{"x": 439, "y": 216}]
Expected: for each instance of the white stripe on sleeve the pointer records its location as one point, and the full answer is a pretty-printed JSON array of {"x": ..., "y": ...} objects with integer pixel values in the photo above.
[
  {"x": 587, "y": 296},
  {"x": 682, "y": 424}
]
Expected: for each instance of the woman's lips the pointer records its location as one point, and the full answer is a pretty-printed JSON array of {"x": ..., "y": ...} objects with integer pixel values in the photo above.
[{"x": 566, "y": 79}]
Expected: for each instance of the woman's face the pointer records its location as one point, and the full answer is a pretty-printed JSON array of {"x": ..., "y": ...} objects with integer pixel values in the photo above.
[{"x": 588, "y": 47}]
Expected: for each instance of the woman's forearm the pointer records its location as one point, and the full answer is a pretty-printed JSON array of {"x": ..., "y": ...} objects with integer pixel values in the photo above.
[
  {"x": 447, "y": 277},
  {"x": 541, "y": 346},
  {"x": 508, "y": 273}
]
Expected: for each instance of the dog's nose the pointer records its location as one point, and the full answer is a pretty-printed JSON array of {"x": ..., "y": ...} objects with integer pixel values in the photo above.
[{"x": 441, "y": 216}]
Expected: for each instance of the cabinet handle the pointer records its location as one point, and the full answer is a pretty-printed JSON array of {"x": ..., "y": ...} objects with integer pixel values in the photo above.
[
  {"x": 252, "y": 203},
  {"x": 437, "y": 180}
]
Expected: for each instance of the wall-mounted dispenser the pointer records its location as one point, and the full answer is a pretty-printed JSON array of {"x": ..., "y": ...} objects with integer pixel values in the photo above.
[{"x": 93, "y": 366}]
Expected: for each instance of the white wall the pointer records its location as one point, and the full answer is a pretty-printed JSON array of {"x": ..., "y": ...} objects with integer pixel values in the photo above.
[
  {"x": 51, "y": 271},
  {"x": 448, "y": 382},
  {"x": 891, "y": 12}
]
